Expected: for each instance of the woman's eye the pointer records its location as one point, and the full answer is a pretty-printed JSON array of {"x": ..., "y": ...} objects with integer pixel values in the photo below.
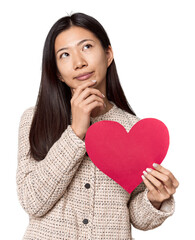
[
  {"x": 68, "y": 54},
  {"x": 88, "y": 45},
  {"x": 62, "y": 54}
]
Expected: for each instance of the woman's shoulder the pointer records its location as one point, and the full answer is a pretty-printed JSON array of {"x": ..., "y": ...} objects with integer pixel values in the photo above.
[{"x": 27, "y": 114}]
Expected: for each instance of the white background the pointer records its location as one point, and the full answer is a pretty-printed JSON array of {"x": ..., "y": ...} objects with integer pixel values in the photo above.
[{"x": 154, "y": 51}]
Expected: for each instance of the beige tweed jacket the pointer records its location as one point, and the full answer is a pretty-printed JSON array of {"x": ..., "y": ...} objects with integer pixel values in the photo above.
[{"x": 67, "y": 197}]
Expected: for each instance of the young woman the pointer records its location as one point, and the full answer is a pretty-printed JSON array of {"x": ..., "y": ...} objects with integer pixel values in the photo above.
[{"x": 64, "y": 193}]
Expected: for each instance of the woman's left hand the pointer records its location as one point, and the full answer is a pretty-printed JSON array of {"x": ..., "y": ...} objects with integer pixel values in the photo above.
[{"x": 161, "y": 184}]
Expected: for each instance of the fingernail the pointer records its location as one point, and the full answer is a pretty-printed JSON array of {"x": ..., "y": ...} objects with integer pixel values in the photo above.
[
  {"x": 148, "y": 169},
  {"x": 103, "y": 95},
  {"x": 145, "y": 173},
  {"x": 104, "y": 104},
  {"x": 143, "y": 177},
  {"x": 94, "y": 80},
  {"x": 155, "y": 165}
]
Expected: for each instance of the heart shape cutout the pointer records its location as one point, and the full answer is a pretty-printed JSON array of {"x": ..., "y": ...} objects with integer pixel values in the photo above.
[{"x": 123, "y": 155}]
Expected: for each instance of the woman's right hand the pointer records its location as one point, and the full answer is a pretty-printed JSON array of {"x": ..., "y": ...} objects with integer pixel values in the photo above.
[{"x": 83, "y": 101}]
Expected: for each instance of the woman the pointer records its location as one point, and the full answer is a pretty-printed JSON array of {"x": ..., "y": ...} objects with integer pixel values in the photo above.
[{"x": 64, "y": 193}]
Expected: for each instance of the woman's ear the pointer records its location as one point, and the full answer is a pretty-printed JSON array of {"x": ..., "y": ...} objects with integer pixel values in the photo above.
[{"x": 110, "y": 55}]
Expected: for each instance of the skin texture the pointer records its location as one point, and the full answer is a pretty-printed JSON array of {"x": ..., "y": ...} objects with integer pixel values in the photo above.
[{"x": 83, "y": 58}]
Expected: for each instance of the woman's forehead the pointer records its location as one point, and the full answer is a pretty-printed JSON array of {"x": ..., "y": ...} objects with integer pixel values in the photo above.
[{"x": 71, "y": 37}]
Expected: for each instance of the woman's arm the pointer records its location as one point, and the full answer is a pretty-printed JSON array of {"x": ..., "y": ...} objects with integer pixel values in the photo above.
[
  {"x": 41, "y": 184},
  {"x": 143, "y": 215}
]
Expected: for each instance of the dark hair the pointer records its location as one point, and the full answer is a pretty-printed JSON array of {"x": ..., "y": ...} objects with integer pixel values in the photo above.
[{"x": 53, "y": 107}]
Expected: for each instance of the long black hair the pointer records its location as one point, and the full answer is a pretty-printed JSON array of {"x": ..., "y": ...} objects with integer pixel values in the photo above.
[{"x": 53, "y": 108}]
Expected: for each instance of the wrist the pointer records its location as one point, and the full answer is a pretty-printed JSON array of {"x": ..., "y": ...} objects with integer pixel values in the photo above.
[
  {"x": 157, "y": 205},
  {"x": 81, "y": 136}
]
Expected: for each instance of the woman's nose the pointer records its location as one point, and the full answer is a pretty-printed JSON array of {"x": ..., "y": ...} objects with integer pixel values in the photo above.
[{"x": 79, "y": 61}]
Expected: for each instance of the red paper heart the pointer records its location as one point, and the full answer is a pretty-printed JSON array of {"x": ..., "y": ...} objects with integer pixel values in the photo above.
[{"x": 123, "y": 156}]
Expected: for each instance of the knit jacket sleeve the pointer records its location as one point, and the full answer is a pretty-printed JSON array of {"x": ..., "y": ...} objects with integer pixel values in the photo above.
[
  {"x": 143, "y": 214},
  {"x": 40, "y": 184}
]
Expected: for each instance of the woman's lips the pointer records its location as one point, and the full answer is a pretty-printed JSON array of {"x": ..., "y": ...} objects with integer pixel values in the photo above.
[{"x": 85, "y": 76}]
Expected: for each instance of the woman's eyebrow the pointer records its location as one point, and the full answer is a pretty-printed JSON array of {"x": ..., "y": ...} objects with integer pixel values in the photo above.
[{"x": 79, "y": 43}]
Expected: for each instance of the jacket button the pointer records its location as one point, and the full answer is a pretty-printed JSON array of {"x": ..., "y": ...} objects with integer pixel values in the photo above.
[
  {"x": 85, "y": 221},
  {"x": 87, "y": 185},
  {"x": 86, "y": 154}
]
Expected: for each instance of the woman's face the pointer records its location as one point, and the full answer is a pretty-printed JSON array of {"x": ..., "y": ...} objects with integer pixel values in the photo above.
[{"x": 88, "y": 56}]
